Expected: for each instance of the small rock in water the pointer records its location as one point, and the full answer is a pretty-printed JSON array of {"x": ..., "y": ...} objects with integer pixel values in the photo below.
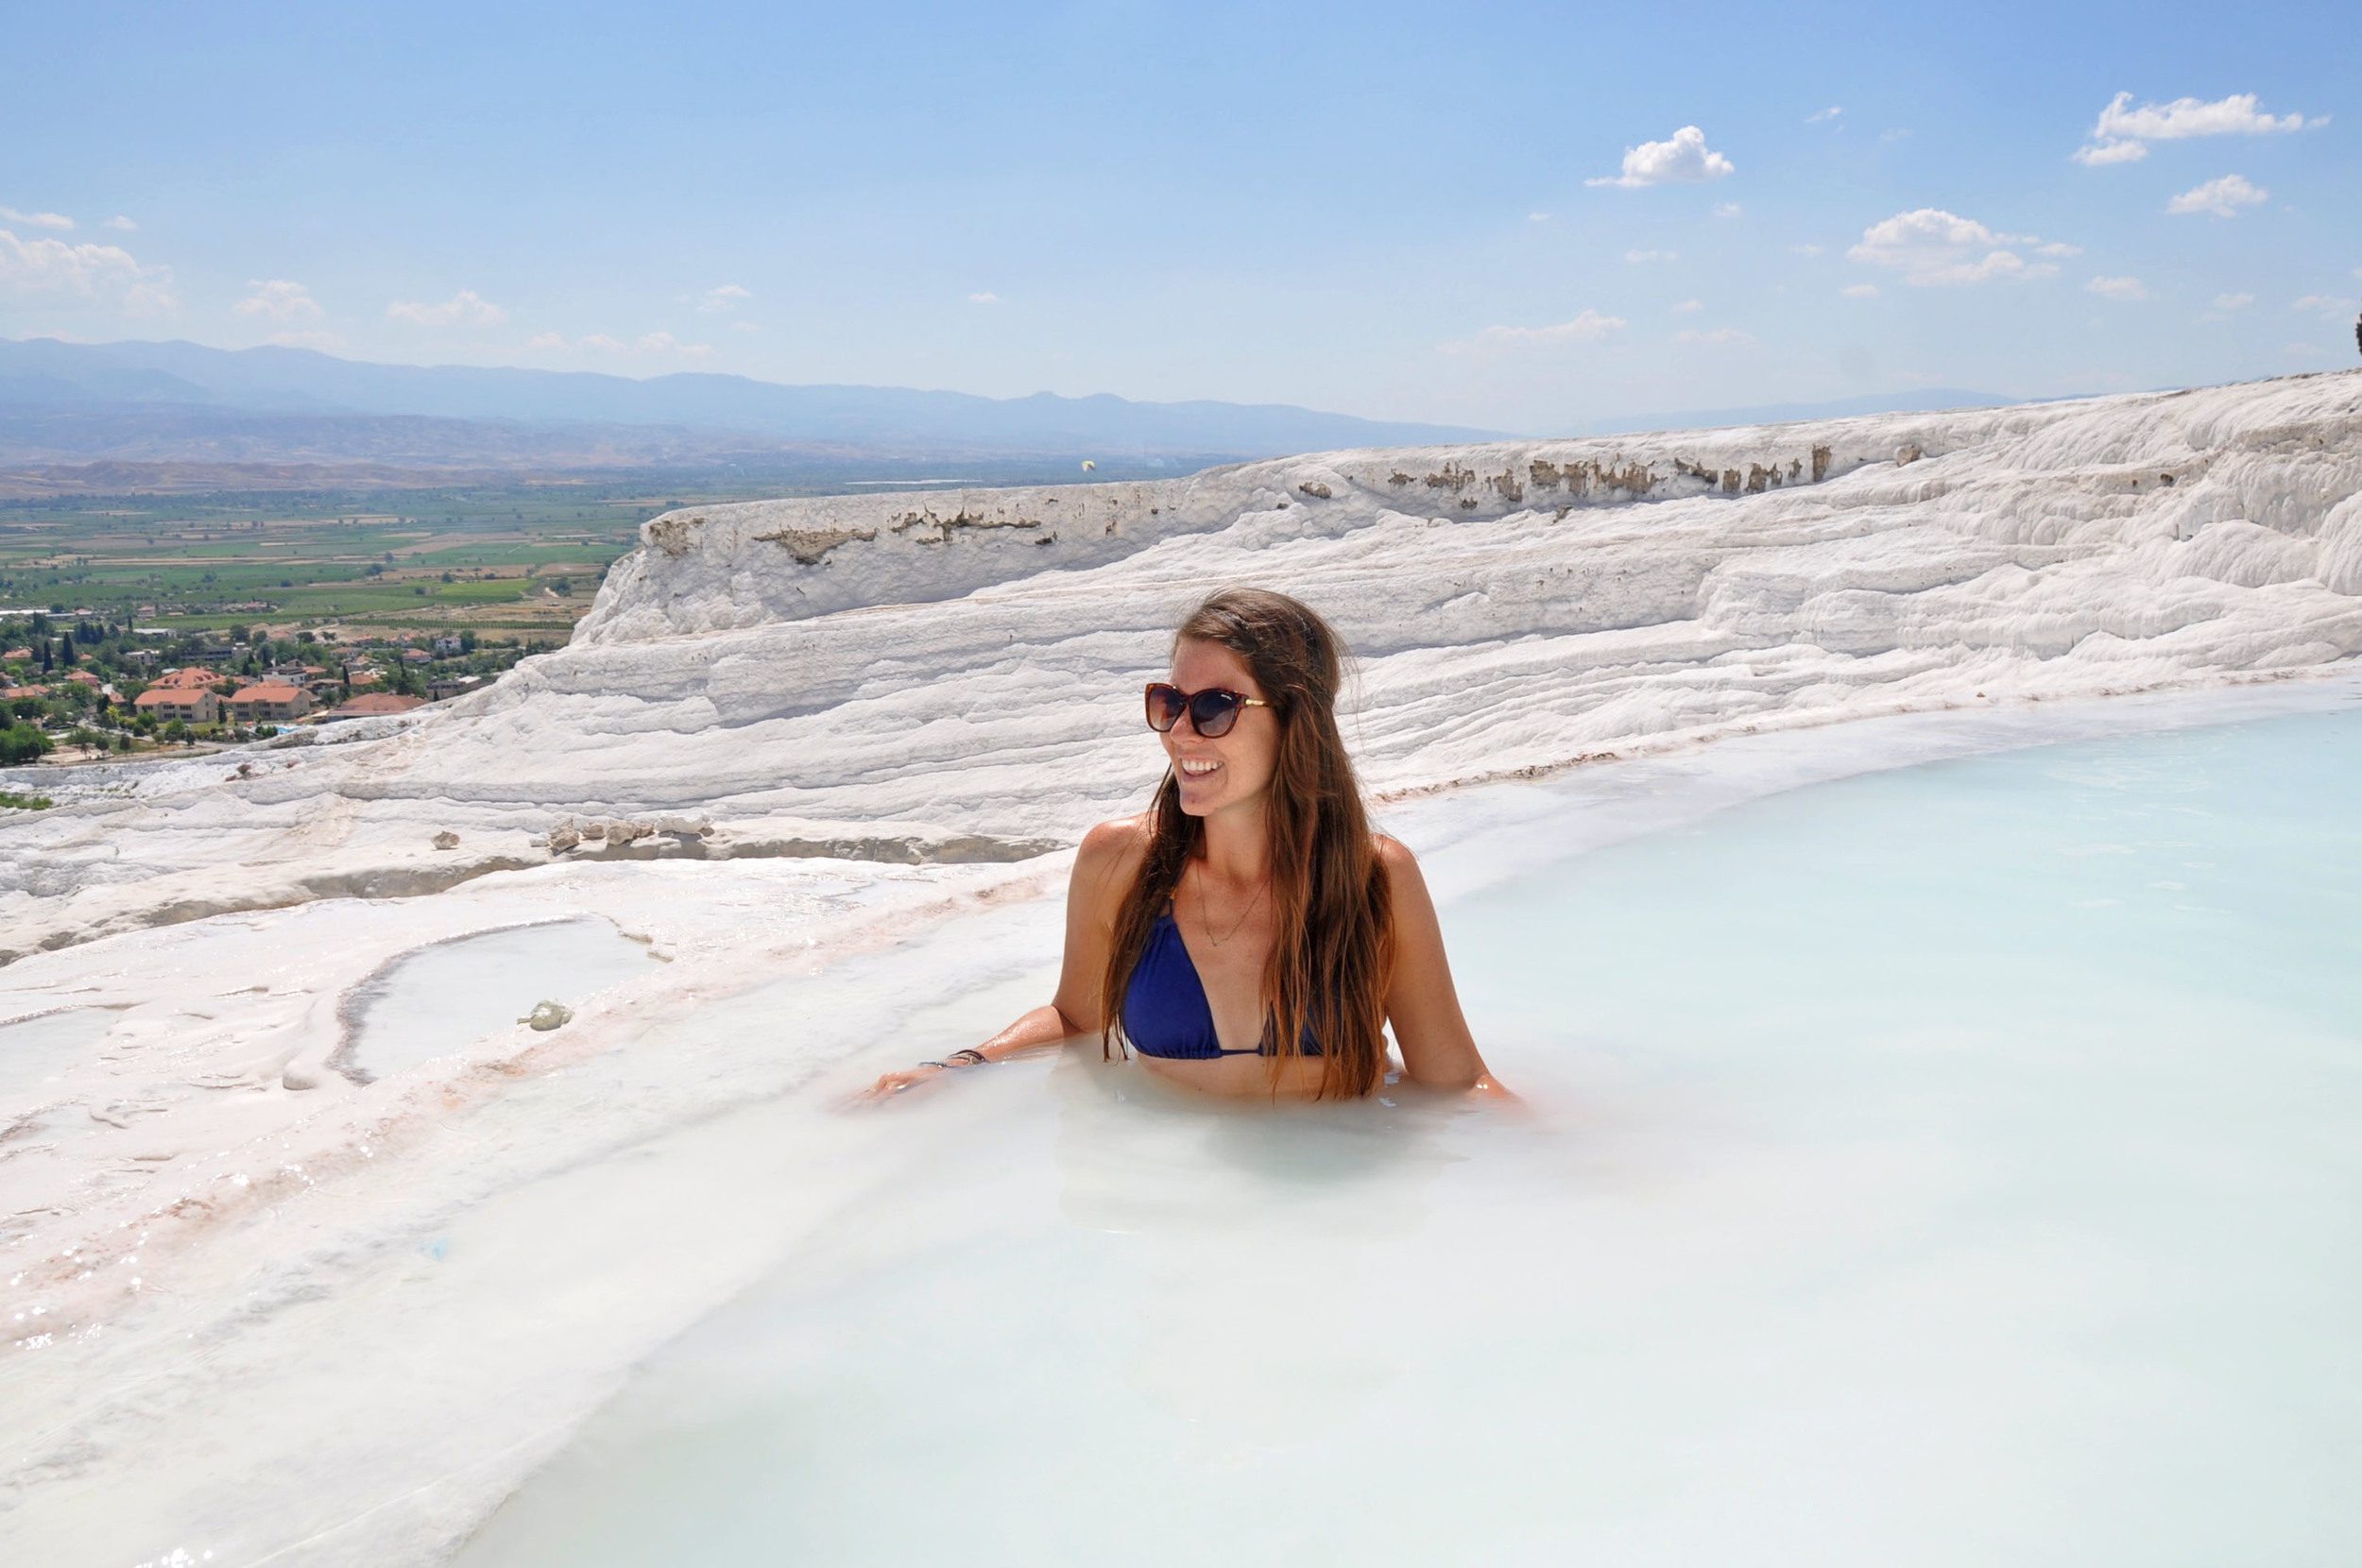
[
  {"x": 547, "y": 1015},
  {"x": 1908, "y": 453},
  {"x": 563, "y": 839},
  {"x": 446, "y": 840}
]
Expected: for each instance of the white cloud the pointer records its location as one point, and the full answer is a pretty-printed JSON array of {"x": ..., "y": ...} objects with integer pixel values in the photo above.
[
  {"x": 2223, "y": 197},
  {"x": 1537, "y": 218},
  {"x": 36, "y": 220},
  {"x": 604, "y": 344},
  {"x": 2058, "y": 247},
  {"x": 726, "y": 297},
  {"x": 2110, "y": 152},
  {"x": 985, "y": 298},
  {"x": 545, "y": 341},
  {"x": 2119, "y": 135},
  {"x": 1932, "y": 247},
  {"x": 325, "y": 341},
  {"x": 466, "y": 308},
  {"x": 1589, "y": 327},
  {"x": 1820, "y": 114},
  {"x": 1642, "y": 258},
  {"x": 280, "y": 299},
  {"x": 121, "y": 225},
  {"x": 745, "y": 327},
  {"x": 1685, "y": 159},
  {"x": 1804, "y": 249},
  {"x": 1713, "y": 334},
  {"x": 1896, "y": 135},
  {"x": 1689, "y": 307},
  {"x": 2233, "y": 116},
  {"x": 666, "y": 343},
  {"x": 2234, "y": 301},
  {"x": 2329, "y": 307},
  {"x": 1728, "y": 210},
  {"x": 2126, "y": 289},
  {"x": 1859, "y": 291},
  {"x": 2303, "y": 350},
  {"x": 39, "y": 270}
]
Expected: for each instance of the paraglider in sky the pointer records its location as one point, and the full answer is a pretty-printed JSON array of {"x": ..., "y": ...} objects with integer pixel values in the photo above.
[{"x": 1089, "y": 465}]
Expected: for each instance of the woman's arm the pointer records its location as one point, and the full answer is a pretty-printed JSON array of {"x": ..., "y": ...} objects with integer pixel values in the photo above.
[
  {"x": 1437, "y": 1049},
  {"x": 1101, "y": 870}
]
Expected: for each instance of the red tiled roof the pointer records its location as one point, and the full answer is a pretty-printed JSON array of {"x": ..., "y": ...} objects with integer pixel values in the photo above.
[{"x": 266, "y": 691}]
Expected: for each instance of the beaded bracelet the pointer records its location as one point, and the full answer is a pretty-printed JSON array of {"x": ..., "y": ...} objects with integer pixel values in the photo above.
[{"x": 973, "y": 1054}]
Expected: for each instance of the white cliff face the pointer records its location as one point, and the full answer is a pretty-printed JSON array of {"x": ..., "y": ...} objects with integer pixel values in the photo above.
[{"x": 919, "y": 678}]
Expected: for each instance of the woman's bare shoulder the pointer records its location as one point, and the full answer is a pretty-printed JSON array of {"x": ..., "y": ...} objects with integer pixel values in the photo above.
[
  {"x": 1116, "y": 837},
  {"x": 1113, "y": 848}
]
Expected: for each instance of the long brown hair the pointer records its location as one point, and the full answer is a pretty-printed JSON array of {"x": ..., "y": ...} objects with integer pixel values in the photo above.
[{"x": 1333, "y": 952}]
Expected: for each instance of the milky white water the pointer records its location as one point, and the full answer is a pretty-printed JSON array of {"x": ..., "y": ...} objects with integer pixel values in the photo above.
[
  {"x": 440, "y": 999},
  {"x": 1949, "y": 1164},
  {"x": 35, "y": 1050}
]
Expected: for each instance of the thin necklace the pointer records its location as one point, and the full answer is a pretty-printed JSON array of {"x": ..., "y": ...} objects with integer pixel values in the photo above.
[{"x": 1218, "y": 941}]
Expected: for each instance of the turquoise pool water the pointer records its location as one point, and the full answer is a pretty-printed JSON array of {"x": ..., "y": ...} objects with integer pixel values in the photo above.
[{"x": 1956, "y": 1165}]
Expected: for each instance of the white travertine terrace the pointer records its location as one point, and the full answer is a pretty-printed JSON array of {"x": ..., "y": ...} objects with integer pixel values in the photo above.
[
  {"x": 830, "y": 726},
  {"x": 926, "y": 676}
]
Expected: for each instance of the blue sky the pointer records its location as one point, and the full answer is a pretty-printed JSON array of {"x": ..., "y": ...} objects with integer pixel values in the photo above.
[{"x": 1401, "y": 212}]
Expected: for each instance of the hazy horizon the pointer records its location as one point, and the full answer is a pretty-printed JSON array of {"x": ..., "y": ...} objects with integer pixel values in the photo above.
[{"x": 1367, "y": 212}]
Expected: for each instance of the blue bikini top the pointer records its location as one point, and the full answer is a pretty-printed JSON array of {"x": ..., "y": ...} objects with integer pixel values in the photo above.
[{"x": 1165, "y": 1011}]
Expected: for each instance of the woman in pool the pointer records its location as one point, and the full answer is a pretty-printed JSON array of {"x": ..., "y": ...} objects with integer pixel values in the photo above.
[{"x": 1258, "y": 934}]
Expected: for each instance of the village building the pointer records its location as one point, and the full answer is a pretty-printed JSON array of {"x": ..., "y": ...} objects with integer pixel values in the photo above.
[
  {"x": 188, "y": 677},
  {"x": 191, "y": 705},
  {"x": 269, "y": 702},
  {"x": 375, "y": 706},
  {"x": 445, "y": 687}
]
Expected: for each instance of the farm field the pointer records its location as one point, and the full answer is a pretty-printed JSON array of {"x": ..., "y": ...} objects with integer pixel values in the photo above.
[{"x": 522, "y": 558}]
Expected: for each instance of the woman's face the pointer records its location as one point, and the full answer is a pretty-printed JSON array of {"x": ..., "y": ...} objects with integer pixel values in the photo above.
[{"x": 1244, "y": 757}]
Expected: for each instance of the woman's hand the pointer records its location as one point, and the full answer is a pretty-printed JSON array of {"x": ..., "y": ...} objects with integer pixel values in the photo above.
[{"x": 891, "y": 1084}]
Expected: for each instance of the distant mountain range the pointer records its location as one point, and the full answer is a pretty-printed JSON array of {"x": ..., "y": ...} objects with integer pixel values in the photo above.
[
  {"x": 163, "y": 401},
  {"x": 115, "y": 416}
]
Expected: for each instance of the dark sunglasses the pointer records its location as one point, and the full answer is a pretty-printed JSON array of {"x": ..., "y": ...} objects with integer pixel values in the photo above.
[{"x": 1211, "y": 712}]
